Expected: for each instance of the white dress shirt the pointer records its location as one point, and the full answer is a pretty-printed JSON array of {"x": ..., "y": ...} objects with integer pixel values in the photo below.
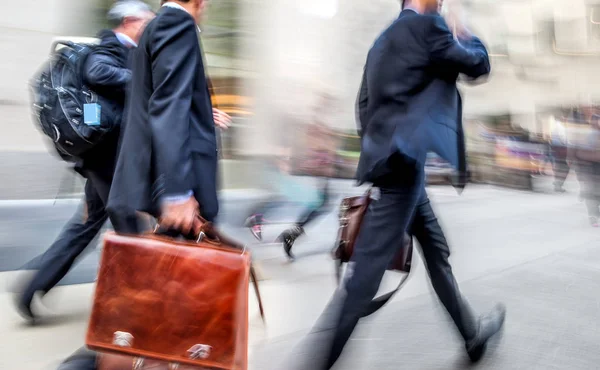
[{"x": 126, "y": 40}]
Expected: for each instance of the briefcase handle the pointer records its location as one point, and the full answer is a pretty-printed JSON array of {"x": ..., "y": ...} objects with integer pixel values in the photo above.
[{"x": 207, "y": 232}]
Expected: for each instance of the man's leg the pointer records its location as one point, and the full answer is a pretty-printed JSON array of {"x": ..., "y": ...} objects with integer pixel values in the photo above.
[
  {"x": 385, "y": 223},
  {"x": 560, "y": 168},
  {"x": 378, "y": 241},
  {"x": 429, "y": 234},
  {"x": 83, "y": 359},
  {"x": 289, "y": 236},
  {"x": 74, "y": 238},
  {"x": 122, "y": 222},
  {"x": 436, "y": 252},
  {"x": 322, "y": 207},
  {"x": 382, "y": 233}
]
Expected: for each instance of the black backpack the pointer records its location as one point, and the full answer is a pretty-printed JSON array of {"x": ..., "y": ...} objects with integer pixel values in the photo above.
[{"x": 58, "y": 98}]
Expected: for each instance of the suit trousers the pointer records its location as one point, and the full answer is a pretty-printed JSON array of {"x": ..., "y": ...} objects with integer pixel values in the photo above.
[
  {"x": 77, "y": 234},
  {"x": 402, "y": 205},
  {"x": 82, "y": 359}
]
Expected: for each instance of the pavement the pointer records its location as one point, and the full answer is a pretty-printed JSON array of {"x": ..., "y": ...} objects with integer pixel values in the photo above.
[
  {"x": 39, "y": 174},
  {"x": 533, "y": 251}
]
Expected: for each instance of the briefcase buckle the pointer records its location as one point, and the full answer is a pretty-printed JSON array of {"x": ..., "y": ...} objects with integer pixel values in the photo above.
[
  {"x": 199, "y": 352},
  {"x": 122, "y": 339}
]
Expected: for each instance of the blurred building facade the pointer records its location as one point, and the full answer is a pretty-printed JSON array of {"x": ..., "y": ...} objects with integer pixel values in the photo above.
[
  {"x": 270, "y": 61},
  {"x": 544, "y": 55}
]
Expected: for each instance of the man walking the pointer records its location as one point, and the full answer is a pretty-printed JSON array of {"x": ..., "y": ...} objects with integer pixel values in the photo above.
[
  {"x": 106, "y": 73},
  {"x": 408, "y": 105},
  {"x": 167, "y": 164}
]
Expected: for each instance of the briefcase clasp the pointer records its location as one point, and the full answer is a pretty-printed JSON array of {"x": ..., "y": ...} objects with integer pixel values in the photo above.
[
  {"x": 199, "y": 352},
  {"x": 122, "y": 339}
]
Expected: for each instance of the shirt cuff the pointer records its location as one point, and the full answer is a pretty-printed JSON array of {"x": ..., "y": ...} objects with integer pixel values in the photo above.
[{"x": 177, "y": 198}]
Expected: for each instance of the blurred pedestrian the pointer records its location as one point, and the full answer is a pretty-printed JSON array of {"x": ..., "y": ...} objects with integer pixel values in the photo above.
[
  {"x": 587, "y": 162},
  {"x": 314, "y": 157},
  {"x": 408, "y": 105},
  {"x": 107, "y": 73},
  {"x": 558, "y": 151},
  {"x": 291, "y": 192}
]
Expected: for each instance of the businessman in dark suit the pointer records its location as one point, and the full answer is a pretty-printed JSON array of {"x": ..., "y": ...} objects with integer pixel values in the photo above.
[
  {"x": 408, "y": 106},
  {"x": 107, "y": 72},
  {"x": 167, "y": 164}
]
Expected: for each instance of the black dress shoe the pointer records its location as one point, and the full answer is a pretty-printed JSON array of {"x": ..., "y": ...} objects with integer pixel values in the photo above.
[
  {"x": 489, "y": 325},
  {"x": 288, "y": 238}
]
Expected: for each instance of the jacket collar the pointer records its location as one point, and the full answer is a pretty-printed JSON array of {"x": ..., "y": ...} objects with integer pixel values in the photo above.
[
  {"x": 410, "y": 11},
  {"x": 174, "y": 5}
]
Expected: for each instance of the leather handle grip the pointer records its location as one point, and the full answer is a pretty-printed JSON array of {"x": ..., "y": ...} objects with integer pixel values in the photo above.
[{"x": 206, "y": 232}]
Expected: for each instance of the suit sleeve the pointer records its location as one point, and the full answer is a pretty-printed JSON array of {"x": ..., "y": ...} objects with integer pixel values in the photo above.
[
  {"x": 102, "y": 70},
  {"x": 175, "y": 56},
  {"x": 362, "y": 102},
  {"x": 468, "y": 57}
]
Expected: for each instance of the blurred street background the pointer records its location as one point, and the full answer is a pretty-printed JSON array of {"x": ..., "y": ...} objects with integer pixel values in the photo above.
[
  {"x": 271, "y": 63},
  {"x": 514, "y": 234}
]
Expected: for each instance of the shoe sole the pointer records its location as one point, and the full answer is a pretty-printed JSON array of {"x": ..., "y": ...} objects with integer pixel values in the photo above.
[{"x": 494, "y": 339}]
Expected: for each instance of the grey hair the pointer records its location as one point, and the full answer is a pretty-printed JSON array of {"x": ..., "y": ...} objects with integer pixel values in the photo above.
[{"x": 127, "y": 8}]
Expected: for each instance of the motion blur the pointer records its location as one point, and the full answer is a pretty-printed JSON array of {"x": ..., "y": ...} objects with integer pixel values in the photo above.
[{"x": 294, "y": 108}]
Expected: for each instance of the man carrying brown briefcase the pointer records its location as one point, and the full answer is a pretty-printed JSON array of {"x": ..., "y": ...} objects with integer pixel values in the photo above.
[{"x": 167, "y": 165}]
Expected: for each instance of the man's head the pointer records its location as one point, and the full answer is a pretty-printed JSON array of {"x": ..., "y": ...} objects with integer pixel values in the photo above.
[
  {"x": 194, "y": 7},
  {"x": 423, "y": 6},
  {"x": 129, "y": 17}
]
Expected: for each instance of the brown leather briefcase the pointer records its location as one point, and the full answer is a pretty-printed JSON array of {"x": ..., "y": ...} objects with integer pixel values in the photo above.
[
  {"x": 166, "y": 304},
  {"x": 352, "y": 213}
]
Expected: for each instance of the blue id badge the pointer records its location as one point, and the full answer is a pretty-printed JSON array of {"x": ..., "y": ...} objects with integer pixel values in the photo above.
[{"x": 91, "y": 114}]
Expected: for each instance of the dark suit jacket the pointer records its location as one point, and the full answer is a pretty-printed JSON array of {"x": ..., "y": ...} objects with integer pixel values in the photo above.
[
  {"x": 408, "y": 103},
  {"x": 106, "y": 72},
  {"x": 168, "y": 144}
]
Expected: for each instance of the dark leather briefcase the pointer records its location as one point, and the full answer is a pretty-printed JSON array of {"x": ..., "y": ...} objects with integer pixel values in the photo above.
[
  {"x": 352, "y": 213},
  {"x": 166, "y": 304}
]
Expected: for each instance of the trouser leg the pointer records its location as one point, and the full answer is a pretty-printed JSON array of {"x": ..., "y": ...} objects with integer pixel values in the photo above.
[
  {"x": 429, "y": 234},
  {"x": 72, "y": 241}
]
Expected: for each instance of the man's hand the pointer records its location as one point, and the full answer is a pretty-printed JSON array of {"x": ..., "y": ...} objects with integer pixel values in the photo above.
[
  {"x": 453, "y": 18},
  {"x": 459, "y": 31},
  {"x": 222, "y": 119},
  {"x": 180, "y": 216}
]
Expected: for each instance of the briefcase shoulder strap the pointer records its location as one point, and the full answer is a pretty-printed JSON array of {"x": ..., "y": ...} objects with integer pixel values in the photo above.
[
  {"x": 378, "y": 302},
  {"x": 381, "y": 301},
  {"x": 257, "y": 292}
]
